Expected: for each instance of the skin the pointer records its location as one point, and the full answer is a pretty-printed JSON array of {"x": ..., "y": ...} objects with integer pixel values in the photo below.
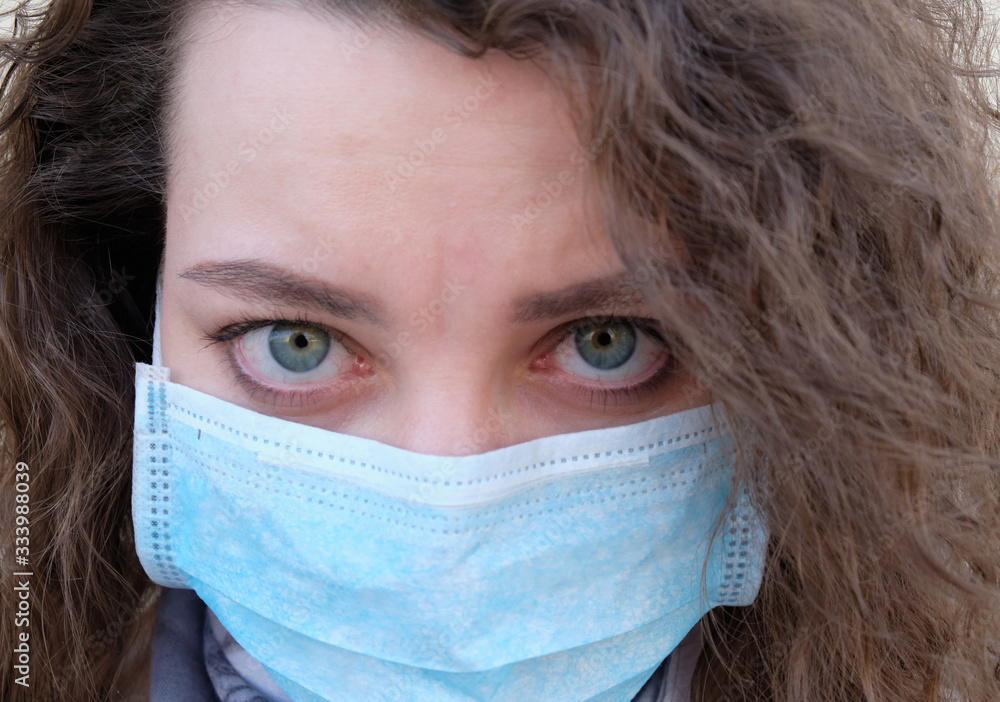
[{"x": 416, "y": 180}]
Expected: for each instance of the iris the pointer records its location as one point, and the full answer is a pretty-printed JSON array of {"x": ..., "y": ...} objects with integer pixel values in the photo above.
[
  {"x": 606, "y": 345},
  {"x": 298, "y": 348}
]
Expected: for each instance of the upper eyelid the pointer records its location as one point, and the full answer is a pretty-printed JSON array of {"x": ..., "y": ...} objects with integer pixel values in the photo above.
[
  {"x": 247, "y": 325},
  {"x": 646, "y": 325},
  {"x": 236, "y": 329}
]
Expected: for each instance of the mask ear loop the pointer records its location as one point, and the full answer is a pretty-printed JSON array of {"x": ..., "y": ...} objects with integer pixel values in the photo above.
[{"x": 156, "y": 321}]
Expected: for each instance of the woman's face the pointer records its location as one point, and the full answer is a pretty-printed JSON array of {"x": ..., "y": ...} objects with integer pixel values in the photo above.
[{"x": 370, "y": 234}]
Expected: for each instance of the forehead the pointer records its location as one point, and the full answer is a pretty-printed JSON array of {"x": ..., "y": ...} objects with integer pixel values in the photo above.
[
  {"x": 364, "y": 95},
  {"x": 290, "y": 130}
]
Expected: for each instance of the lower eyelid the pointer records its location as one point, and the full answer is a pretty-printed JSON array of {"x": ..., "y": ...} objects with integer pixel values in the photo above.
[
  {"x": 283, "y": 398},
  {"x": 655, "y": 366},
  {"x": 277, "y": 399},
  {"x": 636, "y": 393}
]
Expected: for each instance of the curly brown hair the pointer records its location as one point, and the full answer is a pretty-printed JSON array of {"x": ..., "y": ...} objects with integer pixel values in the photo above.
[{"x": 826, "y": 167}]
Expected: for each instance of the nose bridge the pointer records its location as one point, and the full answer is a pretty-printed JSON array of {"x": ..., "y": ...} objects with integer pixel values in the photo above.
[
  {"x": 448, "y": 403},
  {"x": 447, "y": 399},
  {"x": 455, "y": 418}
]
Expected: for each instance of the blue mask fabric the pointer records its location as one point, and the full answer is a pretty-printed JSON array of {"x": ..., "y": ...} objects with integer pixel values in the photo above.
[{"x": 564, "y": 568}]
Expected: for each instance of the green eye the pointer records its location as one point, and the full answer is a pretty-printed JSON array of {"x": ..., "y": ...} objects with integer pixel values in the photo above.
[
  {"x": 297, "y": 347},
  {"x": 605, "y": 345}
]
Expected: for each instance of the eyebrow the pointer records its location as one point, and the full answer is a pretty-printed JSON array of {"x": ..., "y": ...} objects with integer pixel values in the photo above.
[
  {"x": 265, "y": 282},
  {"x": 268, "y": 283},
  {"x": 609, "y": 293}
]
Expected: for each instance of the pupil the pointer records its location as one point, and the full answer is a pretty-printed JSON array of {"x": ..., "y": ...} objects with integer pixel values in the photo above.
[
  {"x": 301, "y": 341},
  {"x": 604, "y": 338}
]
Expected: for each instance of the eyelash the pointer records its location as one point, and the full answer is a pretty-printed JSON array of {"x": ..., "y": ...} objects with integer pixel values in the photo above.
[{"x": 649, "y": 327}]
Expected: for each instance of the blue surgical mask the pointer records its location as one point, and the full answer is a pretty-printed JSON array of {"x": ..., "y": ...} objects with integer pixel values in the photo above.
[{"x": 561, "y": 569}]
